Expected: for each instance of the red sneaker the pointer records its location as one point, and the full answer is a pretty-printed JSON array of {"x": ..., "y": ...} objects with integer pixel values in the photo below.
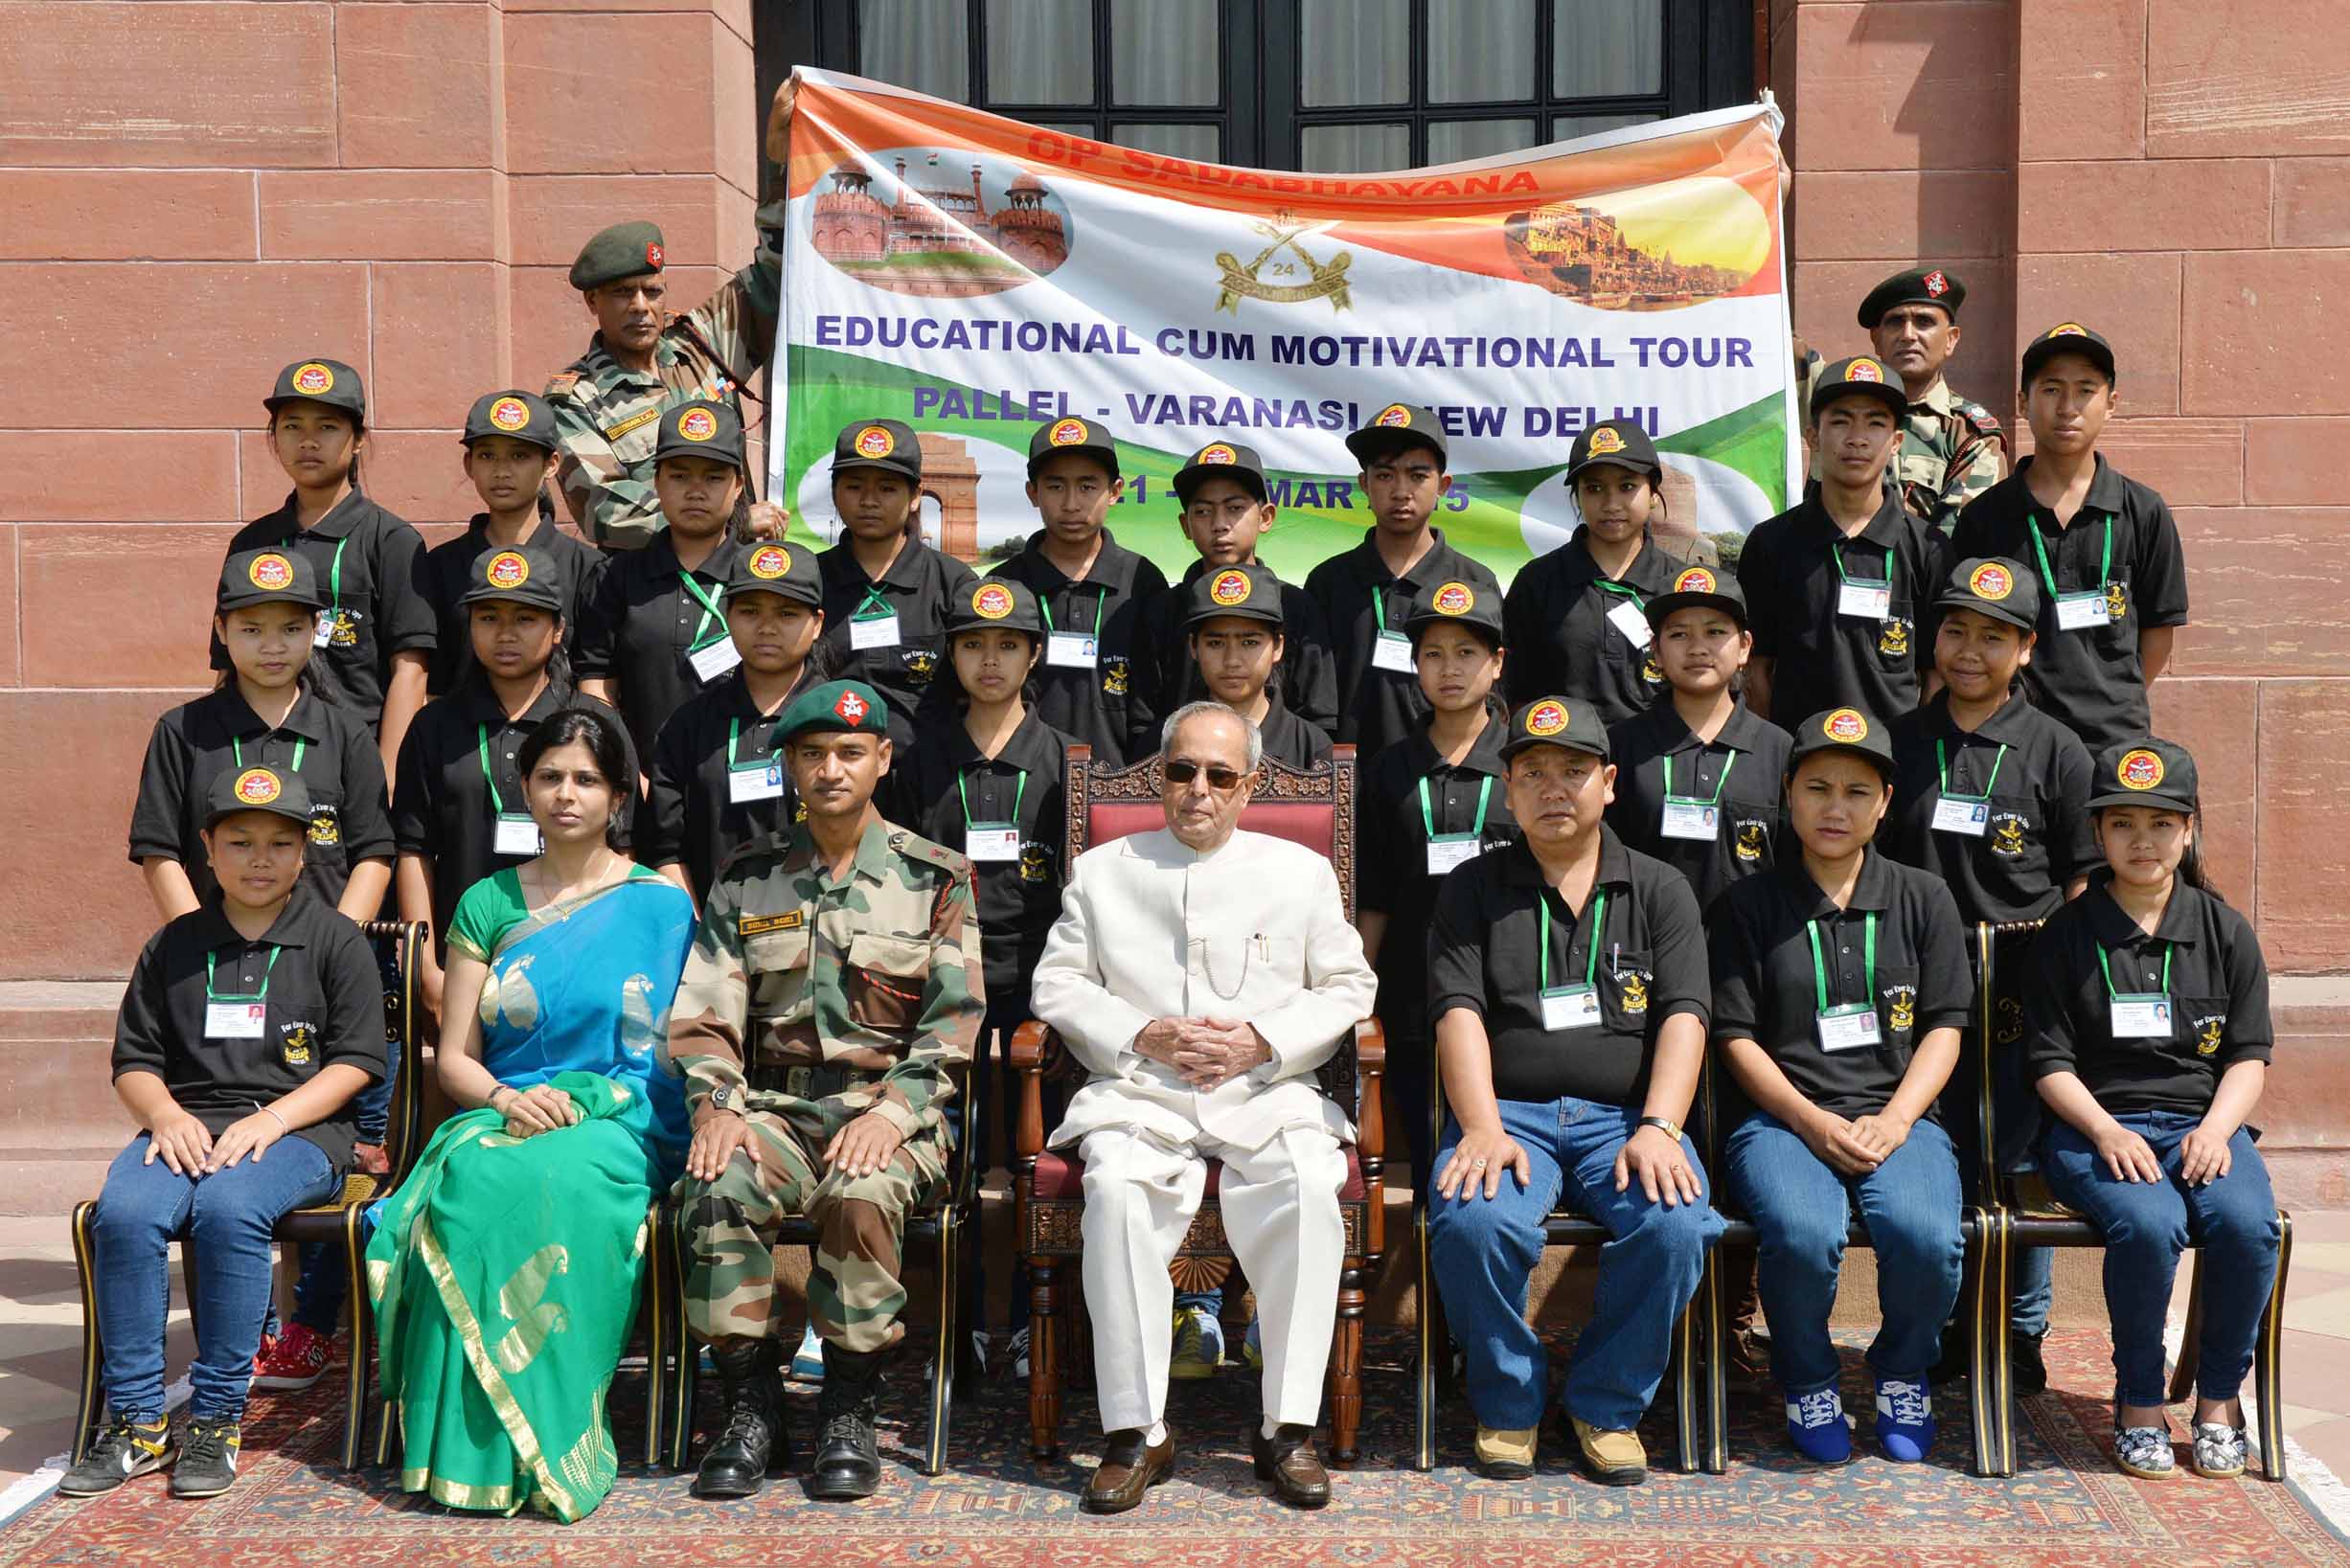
[{"x": 295, "y": 1359}]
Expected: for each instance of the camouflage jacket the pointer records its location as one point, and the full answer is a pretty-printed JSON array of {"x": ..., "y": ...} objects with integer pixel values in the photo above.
[
  {"x": 1951, "y": 451},
  {"x": 608, "y": 417},
  {"x": 876, "y": 973}
]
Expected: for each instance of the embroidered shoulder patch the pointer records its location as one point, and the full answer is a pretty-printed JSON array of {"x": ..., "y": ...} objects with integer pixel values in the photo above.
[{"x": 560, "y": 386}]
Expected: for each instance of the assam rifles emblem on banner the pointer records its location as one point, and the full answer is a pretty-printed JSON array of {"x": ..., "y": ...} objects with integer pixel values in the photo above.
[{"x": 1316, "y": 280}]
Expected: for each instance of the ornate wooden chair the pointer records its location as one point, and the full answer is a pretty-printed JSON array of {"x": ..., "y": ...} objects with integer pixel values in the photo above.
[
  {"x": 1315, "y": 807},
  {"x": 339, "y": 1223}
]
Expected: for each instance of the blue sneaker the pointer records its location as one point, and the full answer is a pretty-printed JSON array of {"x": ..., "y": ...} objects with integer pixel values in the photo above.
[
  {"x": 1904, "y": 1419},
  {"x": 1816, "y": 1426},
  {"x": 1252, "y": 1347},
  {"x": 1198, "y": 1344},
  {"x": 807, "y": 1361}
]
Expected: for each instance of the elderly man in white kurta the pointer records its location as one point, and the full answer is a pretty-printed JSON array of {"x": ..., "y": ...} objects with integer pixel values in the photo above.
[{"x": 1200, "y": 974}]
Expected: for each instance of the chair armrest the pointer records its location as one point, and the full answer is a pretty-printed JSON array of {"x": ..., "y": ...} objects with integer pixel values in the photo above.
[
  {"x": 1031, "y": 1046},
  {"x": 1370, "y": 1065}
]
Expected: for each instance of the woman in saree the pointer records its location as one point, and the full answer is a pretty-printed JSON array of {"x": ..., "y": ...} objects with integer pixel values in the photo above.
[{"x": 506, "y": 1271}]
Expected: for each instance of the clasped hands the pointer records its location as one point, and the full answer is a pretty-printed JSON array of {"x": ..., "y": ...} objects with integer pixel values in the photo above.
[{"x": 1207, "y": 1052}]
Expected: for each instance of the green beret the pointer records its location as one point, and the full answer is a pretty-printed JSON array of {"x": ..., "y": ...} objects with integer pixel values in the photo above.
[
  {"x": 625, "y": 250},
  {"x": 835, "y": 708},
  {"x": 1920, "y": 285}
]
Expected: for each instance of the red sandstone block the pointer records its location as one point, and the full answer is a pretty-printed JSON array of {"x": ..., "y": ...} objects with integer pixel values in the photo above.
[
  {"x": 366, "y": 214},
  {"x": 2131, "y": 300},
  {"x": 416, "y": 85},
  {"x": 2296, "y": 462},
  {"x": 2082, "y": 92},
  {"x": 740, "y": 118},
  {"x": 2305, "y": 798},
  {"x": 2312, "y": 201},
  {"x": 549, "y": 326},
  {"x": 563, "y": 116},
  {"x": 209, "y": 84},
  {"x": 418, "y": 474},
  {"x": 2216, "y": 721},
  {"x": 440, "y": 333},
  {"x": 2193, "y": 463},
  {"x": 2158, "y": 204},
  {"x": 2224, "y": 82},
  {"x": 119, "y": 476},
  {"x": 1900, "y": 214},
  {"x": 11, "y": 637},
  {"x": 554, "y": 214},
  {"x": 96, "y": 214},
  {"x": 2266, "y": 332},
  {"x": 167, "y": 571},
  {"x": 177, "y": 347},
  {"x": 59, "y": 1091},
  {"x": 1925, "y": 84},
  {"x": 1828, "y": 298},
  {"x": 2266, "y": 591}
]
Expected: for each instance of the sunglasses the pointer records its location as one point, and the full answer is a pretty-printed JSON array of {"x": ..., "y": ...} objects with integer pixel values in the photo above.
[{"x": 1219, "y": 779}]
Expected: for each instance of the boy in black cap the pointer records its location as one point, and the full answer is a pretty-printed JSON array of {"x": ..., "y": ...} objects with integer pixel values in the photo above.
[
  {"x": 1090, "y": 590},
  {"x": 2113, "y": 574},
  {"x": 1222, "y": 500},
  {"x": 1952, "y": 450},
  {"x": 510, "y": 445},
  {"x": 1366, "y": 593},
  {"x": 1834, "y": 585},
  {"x": 1233, "y": 627},
  {"x": 375, "y": 635}
]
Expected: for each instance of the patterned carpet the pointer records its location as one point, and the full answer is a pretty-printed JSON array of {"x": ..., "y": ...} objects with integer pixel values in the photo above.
[{"x": 995, "y": 1509}]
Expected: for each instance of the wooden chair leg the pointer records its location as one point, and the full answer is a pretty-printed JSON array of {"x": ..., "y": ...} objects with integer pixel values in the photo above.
[
  {"x": 1686, "y": 1444},
  {"x": 1044, "y": 1351},
  {"x": 93, "y": 1350},
  {"x": 1425, "y": 1304},
  {"x": 685, "y": 1376},
  {"x": 942, "y": 1367},
  {"x": 1991, "y": 1386},
  {"x": 362, "y": 1312},
  {"x": 2190, "y": 1342},
  {"x": 1346, "y": 1368},
  {"x": 1714, "y": 1346},
  {"x": 2269, "y": 1359},
  {"x": 649, "y": 1312}
]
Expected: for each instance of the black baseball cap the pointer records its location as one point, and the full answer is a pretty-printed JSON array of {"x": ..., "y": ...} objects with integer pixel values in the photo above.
[
  {"x": 524, "y": 574},
  {"x": 267, "y": 577},
  {"x": 995, "y": 602},
  {"x": 1221, "y": 460},
  {"x": 701, "y": 428},
  {"x": 1557, "y": 721},
  {"x": 2144, "y": 772},
  {"x": 773, "y": 567},
  {"x": 1996, "y": 586},
  {"x": 275, "y": 790},
  {"x": 1919, "y": 285},
  {"x": 887, "y": 444},
  {"x": 525, "y": 416},
  {"x": 1251, "y": 592},
  {"x": 2068, "y": 337},
  {"x": 1396, "y": 427},
  {"x": 1619, "y": 442},
  {"x": 328, "y": 382},
  {"x": 1843, "y": 729},
  {"x": 1073, "y": 435},
  {"x": 1861, "y": 374},
  {"x": 1696, "y": 585},
  {"x": 1456, "y": 604}
]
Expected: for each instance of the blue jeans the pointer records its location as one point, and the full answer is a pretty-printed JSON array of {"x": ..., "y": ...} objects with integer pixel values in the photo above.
[
  {"x": 1485, "y": 1249},
  {"x": 1802, "y": 1209},
  {"x": 224, "y": 1221},
  {"x": 2148, "y": 1224}
]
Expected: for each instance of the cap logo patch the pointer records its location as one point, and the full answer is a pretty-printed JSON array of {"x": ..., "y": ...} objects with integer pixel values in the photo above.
[
  {"x": 653, "y": 254},
  {"x": 1547, "y": 719},
  {"x": 258, "y": 786},
  {"x": 1844, "y": 724},
  {"x": 1695, "y": 580},
  {"x": 2140, "y": 769},
  {"x": 2068, "y": 329},
  {"x": 873, "y": 442},
  {"x": 1453, "y": 598},
  {"x": 1067, "y": 433},
  {"x": 509, "y": 414},
  {"x": 992, "y": 600},
  {"x": 507, "y": 569},
  {"x": 1229, "y": 588},
  {"x": 1394, "y": 417},
  {"x": 1936, "y": 284},
  {"x": 1218, "y": 453},
  {"x": 697, "y": 424},
  {"x": 271, "y": 571},
  {"x": 314, "y": 379},
  {"x": 1604, "y": 439},
  {"x": 1991, "y": 580},
  {"x": 850, "y": 706},
  {"x": 1864, "y": 369},
  {"x": 770, "y": 561}
]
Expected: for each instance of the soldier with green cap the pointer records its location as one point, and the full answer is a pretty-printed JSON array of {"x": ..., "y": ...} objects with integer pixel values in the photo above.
[
  {"x": 1952, "y": 450},
  {"x": 834, "y": 989}
]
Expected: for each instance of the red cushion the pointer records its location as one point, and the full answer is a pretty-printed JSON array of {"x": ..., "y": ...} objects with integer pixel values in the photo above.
[
  {"x": 1303, "y": 822},
  {"x": 1062, "y": 1177}
]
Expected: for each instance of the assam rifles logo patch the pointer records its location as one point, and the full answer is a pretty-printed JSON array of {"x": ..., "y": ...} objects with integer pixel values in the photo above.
[
  {"x": 770, "y": 561},
  {"x": 2140, "y": 769},
  {"x": 2207, "y": 1033},
  {"x": 1901, "y": 1006},
  {"x": 1864, "y": 369},
  {"x": 509, "y": 414},
  {"x": 1229, "y": 588},
  {"x": 1845, "y": 725},
  {"x": 2067, "y": 328},
  {"x": 1991, "y": 580},
  {"x": 1546, "y": 719},
  {"x": 1748, "y": 841},
  {"x": 1067, "y": 433},
  {"x": 271, "y": 572},
  {"x": 1394, "y": 417},
  {"x": 991, "y": 602},
  {"x": 1695, "y": 580},
  {"x": 1453, "y": 598},
  {"x": 507, "y": 569},
  {"x": 1218, "y": 453},
  {"x": 697, "y": 424},
  {"x": 294, "y": 1044},
  {"x": 259, "y": 787},
  {"x": 1284, "y": 272},
  {"x": 314, "y": 379},
  {"x": 875, "y": 442}
]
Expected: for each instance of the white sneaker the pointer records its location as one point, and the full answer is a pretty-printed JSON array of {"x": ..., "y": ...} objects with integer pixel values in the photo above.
[{"x": 1018, "y": 1351}]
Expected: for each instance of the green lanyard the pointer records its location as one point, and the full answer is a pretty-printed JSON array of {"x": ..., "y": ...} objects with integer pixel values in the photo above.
[
  {"x": 875, "y": 605},
  {"x": 1608, "y": 585},
  {"x": 236, "y": 749},
  {"x": 2168, "y": 948},
  {"x": 710, "y": 612},
  {"x": 481, "y": 736},
  {"x": 2047, "y": 574},
  {"x": 213, "y": 959},
  {"x": 1942, "y": 763},
  {"x": 1720, "y": 785},
  {"x": 733, "y": 734},
  {"x": 1428, "y": 816},
  {"x": 1590, "y": 958},
  {"x": 1017, "y": 795},
  {"x": 1100, "y": 600},
  {"x": 1379, "y": 609},
  {"x": 335, "y": 576},
  {"x": 1819, "y": 964},
  {"x": 1836, "y": 551}
]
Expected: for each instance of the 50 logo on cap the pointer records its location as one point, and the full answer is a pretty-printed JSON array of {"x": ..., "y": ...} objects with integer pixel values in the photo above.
[
  {"x": 271, "y": 571},
  {"x": 1991, "y": 580},
  {"x": 992, "y": 600},
  {"x": 697, "y": 424},
  {"x": 1453, "y": 598},
  {"x": 2066, "y": 328},
  {"x": 1695, "y": 580},
  {"x": 314, "y": 379},
  {"x": 507, "y": 569},
  {"x": 258, "y": 786},
  {"x": 873, "y": 442},
  {"x": 1229, "y": 588},
  {"x": 509, "y": 414},
  {"x": 770, "y": 561},
  {"x": 1394, "y": 417},
  {"x": 2140, "y": 769},
  {"x": 1605, "y": 438},
  {"x": 1067, "y": 433},
  {"x": 1546, "y": 718},
  {"x": 1844, "y": 724}
]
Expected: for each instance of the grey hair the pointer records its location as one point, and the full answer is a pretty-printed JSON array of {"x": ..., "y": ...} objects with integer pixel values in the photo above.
[{"x": 1192, "y": 710}]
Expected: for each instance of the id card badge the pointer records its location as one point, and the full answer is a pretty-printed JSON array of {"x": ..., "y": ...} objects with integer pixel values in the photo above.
[
  {"x": 874, "y": 632},
  {"x": 1956, "y": 814},
  {"x": 2083, "y": 612},
  {"x": 1627, "y": 617},
  {"x": 1446, "y": 850},
  {"x": 1848, "y": 1027},
  {"x": 984, "y": 841},
  {"x": 1869, "y": 600},
  {"x": 748, "y": 781},
  {"x": 1696, "y": 820},
  {"x": 1393, "y": 650},
  {"x": 1072, "y": 650},
  {"x": 328, "y": 620},
  {"x": 2142, "y": 1015},
  {"x": 517, "y": 835},
  {"x": 236, "y": 1020},
  {"x": 714, "y": 659},
  {"x": 1570, "y": 1007}
]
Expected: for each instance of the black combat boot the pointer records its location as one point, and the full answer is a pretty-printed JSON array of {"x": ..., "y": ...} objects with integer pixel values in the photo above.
[
  {"x": 753, "y": 1439},
  {"x": 848, "y": 1463}
]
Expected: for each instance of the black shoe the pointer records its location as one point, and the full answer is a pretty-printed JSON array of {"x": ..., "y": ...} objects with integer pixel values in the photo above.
[
  {"x": 848, "y": 1463},
  {"x": 207, "y": 1464},
  {"x": 2027, "y": 1373},
  {"x": 754, "y": 1440},
  {"x": 122, "y": 1450},
  {"x": 1956, "y": 1360}
]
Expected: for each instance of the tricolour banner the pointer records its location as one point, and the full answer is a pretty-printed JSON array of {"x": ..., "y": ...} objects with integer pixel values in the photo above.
[{"x": 975, "y": 277}]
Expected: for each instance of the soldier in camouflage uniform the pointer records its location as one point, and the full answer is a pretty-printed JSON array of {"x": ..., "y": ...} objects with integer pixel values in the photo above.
[{"x": 833, "y": 985}]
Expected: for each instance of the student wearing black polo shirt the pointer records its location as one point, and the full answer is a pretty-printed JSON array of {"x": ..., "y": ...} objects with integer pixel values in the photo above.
[
  {"x": 1233, "y": 627},
  {"x": 715, "y": 780},
  {"x": 2147, "y": 1017},
  {"x": 2105, "y": 546},
  {"x": 1990, "y": 794},
  {"x": 1221, "y": 493},
  {"x": 655, "y": 632},
  {"x": 509, "y": 451},
  {"x": 264, "y": 712},
  {"x": 885, "y": 592},
  {"x": 1577, "y": 621},
  {"x": 1366, "y": 593},
  {"x": 1566, "y": 985},
  {"x": 1697, "y": 775},
  {"x": 376, "y": 634},
  {"x": 1834, "y": 585},
  {"x": 247, "y": 1027},
  {"x": 1434, "y": 800},
  {"x": 1840, "y": 987}
]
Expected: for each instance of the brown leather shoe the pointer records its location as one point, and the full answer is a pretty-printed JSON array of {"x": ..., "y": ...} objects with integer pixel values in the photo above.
[
  {"x": 1288, "y": 1461},
  {"x": 1127, "y": 1470}
]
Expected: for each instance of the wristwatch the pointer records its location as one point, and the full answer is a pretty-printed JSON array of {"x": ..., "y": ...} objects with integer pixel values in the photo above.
[
  {"x": 721, "y": 1098},
  {"x": 1664, "y": 1124}
]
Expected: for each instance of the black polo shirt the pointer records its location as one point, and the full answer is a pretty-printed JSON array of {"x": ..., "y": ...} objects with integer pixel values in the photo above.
[
  {"x": 642, "y": 625},
  {"x": 1485, "y": 954},
  {"x": 690, "y": 816},
  {"x": 1742, "y": 770},
  {"x": 375, "y": 601},
  {"x": 1287, "y": 738},
  {"x": 218, "y": 733},
  {"x": 2091, "y": 681},
  {"x": 1306, "y": 676},
  {"x": 449, "y": 568},
  {"x": 322, "y": 1007},
  {"x": 2037, "y": 835},
  {"x": 2219, "y": 994},
  {"x": 1018, "y": 900},
  {"x": 917, "y": 588},
  {"x": 444, "y": 808},
  {"x": 1767, "y": 990},
  {"x": 1821, "y": 659},
  {"x": 1562, "y": 643},
  {"x": 1105, "y": 706},
  {"x": 1358, "y": 598},
  {"x": 1392, "y": 877}
]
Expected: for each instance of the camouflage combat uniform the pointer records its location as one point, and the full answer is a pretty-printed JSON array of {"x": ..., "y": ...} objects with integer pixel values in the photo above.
[
  {"x": 807, "y": 1003},
  {"x": 1951, "y": 451}
]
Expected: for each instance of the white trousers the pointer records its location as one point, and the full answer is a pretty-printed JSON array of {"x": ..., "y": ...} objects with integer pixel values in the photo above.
[{"x": 1280, "y": 1206}]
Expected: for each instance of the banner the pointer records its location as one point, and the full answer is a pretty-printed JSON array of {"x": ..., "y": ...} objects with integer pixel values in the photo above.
[{"x": 975, "y": 277}]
